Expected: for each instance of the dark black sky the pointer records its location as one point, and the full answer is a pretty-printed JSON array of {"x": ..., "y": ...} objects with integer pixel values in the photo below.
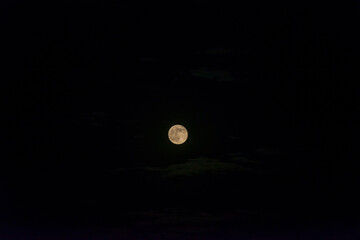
[{"x": 91, "y": 88}]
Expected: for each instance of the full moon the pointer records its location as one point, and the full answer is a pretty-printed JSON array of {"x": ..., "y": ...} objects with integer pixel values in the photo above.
[{"x": 178, "y": 134}]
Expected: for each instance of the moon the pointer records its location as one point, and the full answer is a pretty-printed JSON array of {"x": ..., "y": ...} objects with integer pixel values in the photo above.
[{"x": 178, "y": 134}]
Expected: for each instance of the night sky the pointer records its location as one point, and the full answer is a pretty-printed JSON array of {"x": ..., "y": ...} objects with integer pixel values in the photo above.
[{"x": 266, "y": 90}]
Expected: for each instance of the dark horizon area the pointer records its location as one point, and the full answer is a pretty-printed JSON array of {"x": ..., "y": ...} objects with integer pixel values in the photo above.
[{"x": 267, "y": 91}]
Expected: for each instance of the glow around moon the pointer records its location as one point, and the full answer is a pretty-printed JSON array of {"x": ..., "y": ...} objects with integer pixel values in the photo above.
[{"x": 178, "y": 134}]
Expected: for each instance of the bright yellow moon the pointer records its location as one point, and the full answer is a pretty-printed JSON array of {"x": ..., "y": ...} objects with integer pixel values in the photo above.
[{"x": 178, "y": 134}]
